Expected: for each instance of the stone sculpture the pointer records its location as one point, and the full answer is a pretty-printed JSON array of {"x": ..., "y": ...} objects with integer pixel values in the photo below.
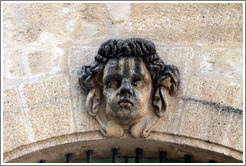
[{"x": 129, "y": 86}]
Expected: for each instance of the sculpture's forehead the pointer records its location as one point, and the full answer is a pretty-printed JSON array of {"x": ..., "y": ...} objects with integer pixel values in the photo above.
[{"x": 126, "y": 67}]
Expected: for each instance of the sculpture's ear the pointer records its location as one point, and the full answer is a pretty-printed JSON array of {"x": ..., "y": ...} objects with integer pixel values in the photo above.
[
  {"x": 168, "y": 84},
  {"x": 170, "y": 78},
  {"x": 160, "y": 100},
  {"x": 93, "y": 100}
]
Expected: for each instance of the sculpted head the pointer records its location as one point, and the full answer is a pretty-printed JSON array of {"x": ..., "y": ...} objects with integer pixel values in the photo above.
[{"x": 128, "y": 86}]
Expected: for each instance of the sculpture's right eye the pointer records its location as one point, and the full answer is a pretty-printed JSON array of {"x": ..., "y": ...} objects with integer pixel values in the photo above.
[{"x": 113, "y": 85}]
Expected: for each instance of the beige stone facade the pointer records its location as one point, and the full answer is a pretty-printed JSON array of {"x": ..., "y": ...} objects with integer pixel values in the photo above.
[{"x": 44, "y": 44}]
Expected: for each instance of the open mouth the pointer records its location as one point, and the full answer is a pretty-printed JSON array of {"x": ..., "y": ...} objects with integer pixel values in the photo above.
[{"x": 125, "y": 102}]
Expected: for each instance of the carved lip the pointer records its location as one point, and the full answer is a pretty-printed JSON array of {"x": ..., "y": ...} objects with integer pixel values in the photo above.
[{"x": 125, "y": 102}]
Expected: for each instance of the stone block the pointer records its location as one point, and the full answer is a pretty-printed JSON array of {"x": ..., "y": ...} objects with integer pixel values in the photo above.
[
  {"x": 188, "y": 23},
  {"x": 11, "y": 100},
  {"x": 15, "y": 130},
  {"x": 97, "y": 14},
  {"x": 173, "y": 55},
  {"x": 45, "y": 89},
  {"x": 51, "y": 119},
  {"x": 16, "y": 21},
  {"x": 84, "y": 122},
  {"x": 13, "y": 66},
  {"x": 78, "y": 56},
  {"x": 48, "y": 18},
  {"x": 24, "y": 23},
  {"x": 221, "y": 91},
  {"x": 77, "y": 22},
  {"x": 170, "y": 122},
  {"x": 204, "y": 61},
  {"x": 46, "y": 62},
  {"x": 218, "y": 62},
  {"x": 120, "y": 19},
  {"x": 235, "y": 130},
  {"x": 118, "y": 12},
  {"x": 203, "y": 121}
]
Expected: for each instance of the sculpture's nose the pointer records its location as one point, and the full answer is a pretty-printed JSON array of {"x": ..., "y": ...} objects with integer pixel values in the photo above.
[{"x": 126, "y": 88}]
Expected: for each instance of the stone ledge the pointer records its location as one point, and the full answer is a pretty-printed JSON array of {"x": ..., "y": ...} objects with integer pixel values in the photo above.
[{"x": 93, "y": 140}]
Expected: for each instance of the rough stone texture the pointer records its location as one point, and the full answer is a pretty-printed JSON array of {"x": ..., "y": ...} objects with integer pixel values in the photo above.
[
  {"x": 120, "y": 19},
  {"x": 43, "y": 33},
  {"x": 38, "y": 62},
  {"x": 172, "y": 55},
  {"x": 79, "y": 56},
  {"x": 51, "y": 119},
  {"x": 11, "y": 100},
  {"x": 236, "y": 125},
  {"x": 170, "y": 121},
  {"x": 188, "y": 23},
  {"x": 71, "y": 22},
  {"x": 17, "y": 22},
  {"x": 199, "y": 78},
  {"x": 205, "y": 121},
  {"x": 14, "y": 65},
  {"x": 223, "y": 62},
  {"x": 45, "y": 44},
  {"x": 45, "y": 90},
  {"x": 65, "y": 21},
  {"x": 83, "y": 121},
  {"x": 46, "y": 57},
  {"x": 225, "y": 91},
  {"x": 15, "y": 131}
]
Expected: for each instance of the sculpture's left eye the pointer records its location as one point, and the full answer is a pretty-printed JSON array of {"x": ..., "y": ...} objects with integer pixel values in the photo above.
[
  {"x": 113, "y": 85},
  {"x": 139, "y": 84}
]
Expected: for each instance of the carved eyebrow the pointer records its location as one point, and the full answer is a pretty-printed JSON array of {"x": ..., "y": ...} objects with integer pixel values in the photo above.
[
  {"x": 110, "y": 77},
  {"x": 137, "y": 76}
]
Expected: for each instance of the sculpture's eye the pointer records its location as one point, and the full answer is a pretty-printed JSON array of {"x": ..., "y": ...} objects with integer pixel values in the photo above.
[
  {"x": 113, "y": 85},
  {"x": 139, "y": 84}
]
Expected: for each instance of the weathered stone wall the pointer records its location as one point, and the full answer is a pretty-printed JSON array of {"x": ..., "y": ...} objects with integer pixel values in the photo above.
[{"x": 45, "y": 44}]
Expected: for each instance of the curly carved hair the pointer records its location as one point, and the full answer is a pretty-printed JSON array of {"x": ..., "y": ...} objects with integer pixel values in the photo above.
[{"x": 132, "y": 47}]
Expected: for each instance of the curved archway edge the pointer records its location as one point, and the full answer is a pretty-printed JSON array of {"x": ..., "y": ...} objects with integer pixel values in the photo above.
[{"x": 55, "y": 149}]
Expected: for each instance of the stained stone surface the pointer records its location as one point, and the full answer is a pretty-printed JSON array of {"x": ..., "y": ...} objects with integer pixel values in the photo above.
[
  {"x": 45, "y": 44},
  {"x": 39, "y": 91},
  {"x": 51, "y": 119},
  {"x": 188, "y": 23},
  {"x": 11, "y": 100},
  {"x": 15, "y": 131}
]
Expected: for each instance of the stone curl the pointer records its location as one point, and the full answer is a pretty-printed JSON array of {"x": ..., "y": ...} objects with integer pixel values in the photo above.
[{"x": 133, "y": 47}]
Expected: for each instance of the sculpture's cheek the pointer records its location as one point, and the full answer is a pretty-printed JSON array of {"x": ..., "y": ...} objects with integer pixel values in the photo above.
[
  {"x": 109, "y": 95},
  {"x": 143, "y": 96}
]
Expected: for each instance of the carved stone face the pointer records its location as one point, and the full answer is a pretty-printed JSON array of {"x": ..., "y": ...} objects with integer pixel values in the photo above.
[{"x": 127, "y": 89}]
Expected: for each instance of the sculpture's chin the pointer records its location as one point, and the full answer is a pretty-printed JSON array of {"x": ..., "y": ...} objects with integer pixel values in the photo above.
[{"x": 122, "y": 115}]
